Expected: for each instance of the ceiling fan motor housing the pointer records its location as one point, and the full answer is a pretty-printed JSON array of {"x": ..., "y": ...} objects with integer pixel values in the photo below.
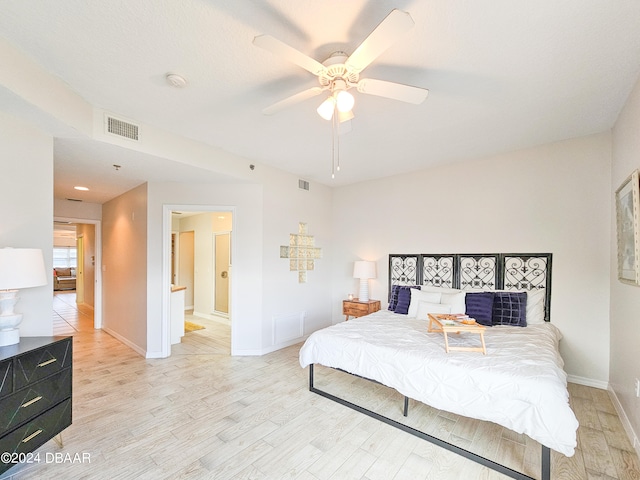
[{"x": 337, "y": 70}]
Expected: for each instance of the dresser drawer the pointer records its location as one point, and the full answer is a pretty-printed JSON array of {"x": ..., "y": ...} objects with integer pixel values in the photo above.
[
  {"x": 37, "y": 432},
  {"x": 6, "y": 378},
  {"x": 355, "y": 309},
  {"x": 40, "y": 363},
  {"x": 34, "y": 399}
]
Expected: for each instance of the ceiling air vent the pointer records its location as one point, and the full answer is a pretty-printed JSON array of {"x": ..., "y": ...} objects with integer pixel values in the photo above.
[
  {"x": 303, "y": 185},
  {"x": 115, "y": 126}
]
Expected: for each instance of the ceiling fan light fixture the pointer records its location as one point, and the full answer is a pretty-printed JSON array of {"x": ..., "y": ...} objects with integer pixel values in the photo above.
[
  {"x": 326, "y": 108},
  {"x": 344, "y": 101},
  {"x": 344, "y": 116}
]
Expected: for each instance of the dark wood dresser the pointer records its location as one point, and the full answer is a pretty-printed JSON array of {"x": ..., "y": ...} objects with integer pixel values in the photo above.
[{"x": 35, "y": 394}]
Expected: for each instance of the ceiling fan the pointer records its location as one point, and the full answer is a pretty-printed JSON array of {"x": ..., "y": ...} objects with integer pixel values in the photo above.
[{"x": 341, "y": 72}]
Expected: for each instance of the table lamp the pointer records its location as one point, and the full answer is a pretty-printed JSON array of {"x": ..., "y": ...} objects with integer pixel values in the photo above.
[
  {"x": 364, "y": 270},
  {"x": 19, "y": 268}
]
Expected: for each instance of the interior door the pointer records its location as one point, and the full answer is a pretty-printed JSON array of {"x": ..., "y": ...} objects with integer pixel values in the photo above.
[{"x": 221, "y": 281}]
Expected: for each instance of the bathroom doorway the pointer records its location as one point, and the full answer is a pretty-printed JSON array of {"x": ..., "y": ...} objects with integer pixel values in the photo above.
[{"x": 200, "y": 271}]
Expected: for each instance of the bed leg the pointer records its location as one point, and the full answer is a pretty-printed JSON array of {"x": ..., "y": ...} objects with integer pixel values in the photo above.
[
  {"x": 405, "y": 412},
  {"x": 311, "y": 377},
  {"x": 546, "y": 463}
]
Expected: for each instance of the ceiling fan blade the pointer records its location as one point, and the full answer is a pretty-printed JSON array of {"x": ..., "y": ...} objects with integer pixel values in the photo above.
[
  {"x": 292, "y": 100},
  {"x": 383, "y": 36},
  {"x": 289, "y": 53},
  {"x": 397, "y": 91}
]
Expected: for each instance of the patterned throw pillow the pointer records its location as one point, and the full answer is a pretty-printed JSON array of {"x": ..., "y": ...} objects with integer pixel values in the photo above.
[
  {"x": 510, "y": 308},
  {"x": 479, "y": 305},
  {"x": 403, "y": 298}
]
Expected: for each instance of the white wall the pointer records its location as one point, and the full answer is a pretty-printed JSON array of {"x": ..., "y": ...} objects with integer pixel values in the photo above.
[
  {"x": 26, "y": 193},
  {"x": 80, "y": 210},
  {"x": 124, "y": 267},
  {"x": 625, "y": 299},
  {"x": 285, "y": 206},
  {"x": 246, "y": 201},
  {"x": 263, "y": 288},
  {"x": 554, "y": 198}
]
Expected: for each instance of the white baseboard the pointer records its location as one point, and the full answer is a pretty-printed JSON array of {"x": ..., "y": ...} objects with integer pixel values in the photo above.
[
  {"x": 588, "y": 382},
  {"x": 264, "y": 351},
  {"x": 625, "y": 421},
  {"x": 127, "y": 342}
]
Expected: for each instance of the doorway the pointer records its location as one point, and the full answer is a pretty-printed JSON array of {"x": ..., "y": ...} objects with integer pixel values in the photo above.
[
  {"x": 198, "y": 260},
  {"x": 91, "y": 233}
]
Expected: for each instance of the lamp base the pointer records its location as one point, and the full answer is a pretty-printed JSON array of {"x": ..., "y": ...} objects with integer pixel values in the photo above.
[
  {"x": 9, "y": 337},
  {"x": 363, "y": 295}
]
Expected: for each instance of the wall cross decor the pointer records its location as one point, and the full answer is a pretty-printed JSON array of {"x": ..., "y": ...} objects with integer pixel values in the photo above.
[{"x": 301, "y": 252}]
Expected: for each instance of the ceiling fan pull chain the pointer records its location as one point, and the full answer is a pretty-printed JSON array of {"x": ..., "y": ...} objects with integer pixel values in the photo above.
[
  {"x": 336, "y": 126},
  {"x": 334, "y": 145}
]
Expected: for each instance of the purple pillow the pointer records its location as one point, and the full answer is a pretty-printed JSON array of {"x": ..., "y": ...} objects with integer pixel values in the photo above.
[
  {"x": 404, "y": 299},
  {"x": 393, "y": 299},
  {"x": 510, "y": 308},
  {"x": 479, "y": 305}
]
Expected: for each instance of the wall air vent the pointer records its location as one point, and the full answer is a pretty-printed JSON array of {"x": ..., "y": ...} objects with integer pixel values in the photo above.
[
  {"x": 115, "y": 126},
  {"x": 303, "y": 185},
  {"x": 74, "y": 199}
]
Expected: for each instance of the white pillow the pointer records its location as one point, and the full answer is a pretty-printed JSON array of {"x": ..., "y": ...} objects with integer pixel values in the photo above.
[
  {"x": 418, "y": 296},
  {"x": 425, "y": 308},
  {"x": 535, "y": 306},
  {"x": 455, "y": 301}
]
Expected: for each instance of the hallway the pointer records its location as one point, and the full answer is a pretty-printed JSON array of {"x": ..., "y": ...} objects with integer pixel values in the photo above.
[{"x": 71, "y": 319}]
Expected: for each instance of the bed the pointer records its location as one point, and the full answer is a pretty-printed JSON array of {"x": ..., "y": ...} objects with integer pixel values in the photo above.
[{"x": 519, "y": 384}]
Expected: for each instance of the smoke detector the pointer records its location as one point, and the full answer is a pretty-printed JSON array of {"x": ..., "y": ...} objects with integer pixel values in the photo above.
[{"x": 175, "y": 80}]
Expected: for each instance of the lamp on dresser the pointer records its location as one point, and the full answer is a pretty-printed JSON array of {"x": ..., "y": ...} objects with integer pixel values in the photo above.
[
  {"x": 19, "y": 268},
  {"x": 364, "y": 270}
]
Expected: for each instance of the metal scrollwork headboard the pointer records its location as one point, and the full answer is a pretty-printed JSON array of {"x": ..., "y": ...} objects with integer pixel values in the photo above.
[{"x": 495, "y": 271}]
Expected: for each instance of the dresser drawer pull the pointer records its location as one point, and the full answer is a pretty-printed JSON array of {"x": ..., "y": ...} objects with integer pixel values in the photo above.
[
  {"x": 31, "y": 402},
  {"x": 32, "y": 436},
  {"x": 47, "y": 362}
]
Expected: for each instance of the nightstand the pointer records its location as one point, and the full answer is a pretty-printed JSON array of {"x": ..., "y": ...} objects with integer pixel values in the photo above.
[{"x": 356, "y": 308}]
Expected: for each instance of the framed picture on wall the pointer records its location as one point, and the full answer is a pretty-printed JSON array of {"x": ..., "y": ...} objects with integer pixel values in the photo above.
[{"x": 627, "y": 225}]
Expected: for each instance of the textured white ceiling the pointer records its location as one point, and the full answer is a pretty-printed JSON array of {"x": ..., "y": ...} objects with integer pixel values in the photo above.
[{"x": 502, "y": 75}]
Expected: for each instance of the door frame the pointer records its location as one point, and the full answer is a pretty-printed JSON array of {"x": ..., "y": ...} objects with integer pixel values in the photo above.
[
  {"x": 97, "y": 293},
  {"x": 166, "y": 265}
]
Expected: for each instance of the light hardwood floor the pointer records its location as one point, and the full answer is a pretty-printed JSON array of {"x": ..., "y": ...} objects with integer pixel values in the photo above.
[{"x": 210, "y": 415}]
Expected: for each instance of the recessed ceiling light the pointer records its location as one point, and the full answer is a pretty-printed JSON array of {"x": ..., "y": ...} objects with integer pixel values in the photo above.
[
  {"x": 84, "y": 189},
  {"x": 221, "y": 217}
]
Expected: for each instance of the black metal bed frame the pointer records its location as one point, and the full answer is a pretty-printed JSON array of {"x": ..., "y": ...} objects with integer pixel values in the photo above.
[
  {"x": 508, "y": 271},
  {"x": 546, "y": 452}
]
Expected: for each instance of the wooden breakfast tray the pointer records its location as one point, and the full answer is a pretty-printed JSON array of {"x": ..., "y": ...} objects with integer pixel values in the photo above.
[{"x": 446, "y": 324}]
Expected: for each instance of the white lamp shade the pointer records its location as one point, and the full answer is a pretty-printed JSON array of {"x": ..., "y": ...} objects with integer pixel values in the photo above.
[
  {"x": 326, "y": 108},
  {"x": 344, "y": 101},
  {"x": 21, "y": 268},
  {"x": 364, "y": 269}
]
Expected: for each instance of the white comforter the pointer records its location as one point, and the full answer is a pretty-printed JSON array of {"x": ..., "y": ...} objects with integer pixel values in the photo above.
[{"x": 519, "y": 383}]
